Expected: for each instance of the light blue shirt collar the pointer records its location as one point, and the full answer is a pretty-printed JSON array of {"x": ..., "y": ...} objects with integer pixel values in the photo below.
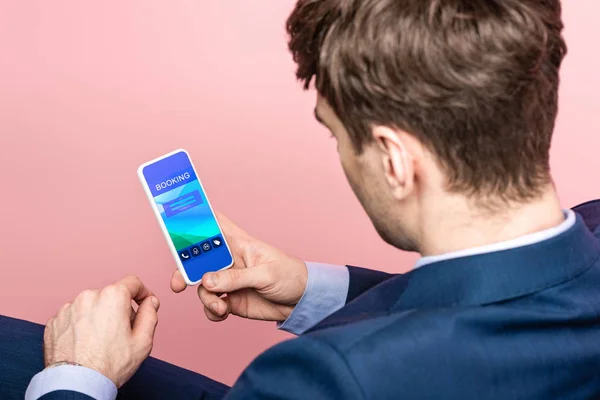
[{"x": 506, "y": 245}]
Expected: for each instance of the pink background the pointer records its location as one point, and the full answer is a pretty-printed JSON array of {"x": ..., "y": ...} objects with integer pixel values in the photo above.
[{"x": 89, "y": 90}]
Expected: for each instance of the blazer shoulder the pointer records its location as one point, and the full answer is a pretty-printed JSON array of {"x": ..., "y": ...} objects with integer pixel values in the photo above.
[
  {"x": 399, "y": 355},
  {"x": 471, "y": 352}
]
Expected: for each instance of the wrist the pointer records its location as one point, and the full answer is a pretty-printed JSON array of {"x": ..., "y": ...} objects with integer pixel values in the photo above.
[
  {"x": 302, "y": 279},
  {"x": 59, "y": 363},
  {"x": 83, "y": 364}
]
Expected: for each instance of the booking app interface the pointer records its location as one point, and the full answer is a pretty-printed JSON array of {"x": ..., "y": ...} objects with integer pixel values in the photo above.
[{"x": 187, "y": 216}]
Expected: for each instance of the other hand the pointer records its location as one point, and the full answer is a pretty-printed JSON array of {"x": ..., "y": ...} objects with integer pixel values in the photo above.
[{"x": 100, "y": 330}]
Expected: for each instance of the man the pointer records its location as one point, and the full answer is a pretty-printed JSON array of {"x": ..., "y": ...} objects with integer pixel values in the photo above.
[{"x": 443, "y": 112}]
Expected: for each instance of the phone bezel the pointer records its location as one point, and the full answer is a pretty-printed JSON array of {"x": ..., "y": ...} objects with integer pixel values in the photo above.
[{"x": 163, "y": 227}]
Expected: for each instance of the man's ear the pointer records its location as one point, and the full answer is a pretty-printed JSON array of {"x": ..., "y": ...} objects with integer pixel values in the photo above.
[{"x": 397, "y": 160}]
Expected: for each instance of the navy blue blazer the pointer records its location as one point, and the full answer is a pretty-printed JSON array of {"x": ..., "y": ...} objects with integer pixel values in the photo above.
[{"x": 515, "y": 324}]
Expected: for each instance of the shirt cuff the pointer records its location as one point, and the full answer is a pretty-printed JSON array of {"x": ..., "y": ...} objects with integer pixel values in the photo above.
[
  {"x": 71, "y": 378},
  {"x": 325, "y": 293}
]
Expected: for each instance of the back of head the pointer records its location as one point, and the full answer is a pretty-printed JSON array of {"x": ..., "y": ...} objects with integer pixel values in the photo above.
[{"x": 475, "y": 81}]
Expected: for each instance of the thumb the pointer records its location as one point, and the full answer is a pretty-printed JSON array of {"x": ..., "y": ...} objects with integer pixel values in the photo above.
[
  {"x": 234, "y": 279},
  {"x": 145, "y": 321}
]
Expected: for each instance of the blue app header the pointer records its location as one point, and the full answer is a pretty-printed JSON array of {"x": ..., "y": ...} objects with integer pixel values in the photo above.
[{"x": 169, "y": 173}]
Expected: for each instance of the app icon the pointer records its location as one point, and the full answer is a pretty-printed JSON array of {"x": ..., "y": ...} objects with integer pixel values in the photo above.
[
  {"x": 217, "y": 242},
  {"x": 184, "y": 255},
  {"x": 205, "y": 246},
  {"x": 195, "y": 251}
]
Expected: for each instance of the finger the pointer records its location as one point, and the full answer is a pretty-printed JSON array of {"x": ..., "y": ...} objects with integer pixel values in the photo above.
[
  {"x": 145, "y": 321},
  {"x": 213, "y": 302},
  {"x": 213, "y": 317},
  {"x": 132, "y": 314},
  {"x": 178, "y": 284},
  {"x": 226, "y": 224},
  {"x": 136, "y": 289},
  {"x": 234, "y": 279},
  {"x": 48, "y": 343},
  {"x": 221, "y": 316},
  {"x": 64, "y": 308},
  {"x": 232, "y": 232},
  {"x": 62, "y": 317}
]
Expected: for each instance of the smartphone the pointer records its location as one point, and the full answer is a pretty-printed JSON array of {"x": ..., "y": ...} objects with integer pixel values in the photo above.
[{"x": 185, "y": 215}]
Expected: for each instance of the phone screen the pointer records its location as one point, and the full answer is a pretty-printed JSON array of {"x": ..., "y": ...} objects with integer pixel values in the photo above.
[{"x": 186, "y": 215}]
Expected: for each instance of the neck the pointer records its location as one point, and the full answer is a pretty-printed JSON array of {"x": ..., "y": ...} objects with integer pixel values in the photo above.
[{"x": 456, "y": 224}]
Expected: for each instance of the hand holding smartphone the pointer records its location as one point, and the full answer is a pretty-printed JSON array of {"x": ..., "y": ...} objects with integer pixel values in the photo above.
[{"x": 185, "y": 216}]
